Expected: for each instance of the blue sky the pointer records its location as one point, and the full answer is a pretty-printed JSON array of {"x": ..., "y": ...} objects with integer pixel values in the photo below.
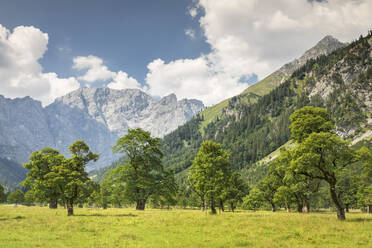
[
  {"x": 126, "y": 34},
  {"x": 203, "y": 49}
]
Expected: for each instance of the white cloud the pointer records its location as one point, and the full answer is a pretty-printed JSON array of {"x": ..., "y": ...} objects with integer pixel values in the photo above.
[
  {"x": 254, "y": 37},
  {"x": 96, "y": 70},
  {"x": 190, "y": 33},
  {"x": 122, "y": 81},
  {"x": 20, "y": 71},
  {"x": 275, "y": 32},
  {"x": 191, "y": 78}
]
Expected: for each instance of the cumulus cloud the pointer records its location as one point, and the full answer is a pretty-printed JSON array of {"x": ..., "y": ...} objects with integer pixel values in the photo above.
[
  {"x": 20, "y": 71},
  {"x": 191, "y": 78},
  {"x": 252, "y": 37},
  {"x": 96, "y": 70},
  {"x": 122, "y": 81},
  {"x": 275, "y": 32}
]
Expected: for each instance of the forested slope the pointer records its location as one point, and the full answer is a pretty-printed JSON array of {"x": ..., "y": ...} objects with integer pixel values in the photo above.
[{"x": 341, "y": 82}]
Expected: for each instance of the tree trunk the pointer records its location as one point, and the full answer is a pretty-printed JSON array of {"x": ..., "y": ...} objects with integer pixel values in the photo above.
[
  {"x": 213, "y": 208},
  {"x": 300, "y": 204},
  {"x": 299, "y": 207},
  {"x": 307, "y": 204},
  {"x": 53, "y": 202},
  {"x": 273, "y": 209},
  {"x": 307, "y": 197},
  {"x": 337, "y": 202},
  {"x": 141, "y": 204},
  {"x": 70, "y": 207},
  {"x": 221, "y": 206},
  {"x": 232, "y": 207},
  {"x": 369, "y": 209},
  {"x": 202, "y": 203},
  {"x": 287, "y": 207}
]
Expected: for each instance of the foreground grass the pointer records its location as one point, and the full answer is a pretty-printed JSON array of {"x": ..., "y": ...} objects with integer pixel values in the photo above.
[{"x": 41, "y": 227}]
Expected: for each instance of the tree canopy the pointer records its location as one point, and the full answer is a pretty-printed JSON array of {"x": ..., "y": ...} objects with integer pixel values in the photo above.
[
  {"x": 142, "y": 172},
  {"x": 41, "y": 177},
  {"x": 52, "y": 176},
  {"x": 308, "y": 120},
  {"x": 210, "y": 172},
  {"x": 16, "y": 197}
]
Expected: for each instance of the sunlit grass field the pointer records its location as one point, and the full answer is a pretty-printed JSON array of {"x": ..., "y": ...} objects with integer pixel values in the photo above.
[{"x": 41, "y": 227}]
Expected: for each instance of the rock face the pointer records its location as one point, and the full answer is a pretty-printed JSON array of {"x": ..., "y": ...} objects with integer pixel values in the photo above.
[
  {"x": 23, "y": 125},
  {"x": 325, "y": 46},
  {"x": 119, "y": 110},
  {"x": 96, "y": 115}
]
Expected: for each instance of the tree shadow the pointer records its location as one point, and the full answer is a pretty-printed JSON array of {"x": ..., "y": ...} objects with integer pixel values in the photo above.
[
  {"x": 359, "y": 220},
  {"x": 14, "y": 218},
  {"x": 106, "y": 215}
]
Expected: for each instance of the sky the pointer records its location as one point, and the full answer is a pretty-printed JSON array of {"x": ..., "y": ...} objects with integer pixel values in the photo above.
[{"x": 203, "y": 49}]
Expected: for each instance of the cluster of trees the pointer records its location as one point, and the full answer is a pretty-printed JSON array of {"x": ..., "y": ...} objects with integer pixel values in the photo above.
[
  {"x": 213, "y": 180},
  {"x": 52, "y": 177},
  {"x": 319, "y": 159},
  {"x": 139, "y": 178}
]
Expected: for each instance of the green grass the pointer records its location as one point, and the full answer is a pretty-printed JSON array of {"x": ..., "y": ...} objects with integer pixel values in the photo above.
[
  {"x": 211, "y": 113},
  {"x": 264, "y": 86},
  {"x": 276, "y": 153},
  {"x": 41, "y": 227}
]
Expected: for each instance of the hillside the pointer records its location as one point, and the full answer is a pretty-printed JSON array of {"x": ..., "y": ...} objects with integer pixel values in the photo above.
[
  {"x": 324, "y": 47},
  {"x": 340, "y": 81}
]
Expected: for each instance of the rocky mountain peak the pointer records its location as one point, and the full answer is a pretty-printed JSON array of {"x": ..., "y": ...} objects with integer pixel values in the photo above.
[
  {"x": 170, "y": 99},
  {"x": 324, "y": 47},
  {"x": 329, "y": 41}
]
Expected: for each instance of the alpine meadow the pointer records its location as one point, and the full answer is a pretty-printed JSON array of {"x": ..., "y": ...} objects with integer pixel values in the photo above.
[{"x": 202, "y": 141}]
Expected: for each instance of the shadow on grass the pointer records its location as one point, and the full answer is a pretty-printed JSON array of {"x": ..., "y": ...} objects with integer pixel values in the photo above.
[
  {"x": 14, "y": 218},
  {"x": 106, "y": 215},
  {"x": 359, "y": 220}
]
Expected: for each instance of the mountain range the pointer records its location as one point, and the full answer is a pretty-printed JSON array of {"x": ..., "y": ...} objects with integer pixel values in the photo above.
[{"x": 99, "y": 116}]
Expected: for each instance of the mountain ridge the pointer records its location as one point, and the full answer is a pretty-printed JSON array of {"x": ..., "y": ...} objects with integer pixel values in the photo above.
[
  {"x": 323, "y": 47},
  {"x": 250, "y": 131},
  {"x": 99, "y": 116}
]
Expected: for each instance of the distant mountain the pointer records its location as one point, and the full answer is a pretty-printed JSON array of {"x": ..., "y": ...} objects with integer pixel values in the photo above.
[
  {"x": 99, "y": 116},
  {"x": 119, "y": 110},
  {"x": 11, "y": 173},
  {"x": 256, "y": 123}
]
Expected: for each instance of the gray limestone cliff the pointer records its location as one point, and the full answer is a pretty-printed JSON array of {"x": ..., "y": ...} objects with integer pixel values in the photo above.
[{"x": 99, "y": 116}]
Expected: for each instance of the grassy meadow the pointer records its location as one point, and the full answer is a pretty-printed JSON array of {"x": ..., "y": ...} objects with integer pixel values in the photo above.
[{"x": 41, "y": 227}]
